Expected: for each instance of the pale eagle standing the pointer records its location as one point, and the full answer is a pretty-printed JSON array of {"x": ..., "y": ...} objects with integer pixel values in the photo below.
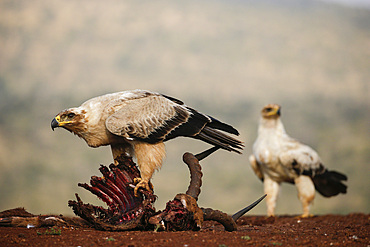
[
  {"x": 138, "y": 122},
  {"x": 278, "y": 158}
]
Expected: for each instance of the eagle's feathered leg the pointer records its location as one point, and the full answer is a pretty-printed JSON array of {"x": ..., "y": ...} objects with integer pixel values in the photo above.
[
  {"x": 120, "y": 149},
  {"x": 149, "y": 158},
  {"x": 306, "y": 193},
  {"x": 272, "y": 191}
]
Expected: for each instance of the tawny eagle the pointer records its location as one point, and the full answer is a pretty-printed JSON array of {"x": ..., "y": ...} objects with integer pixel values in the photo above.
[
  {"x": 279, "y": 158},
  {"x": 138, "y": 122}
]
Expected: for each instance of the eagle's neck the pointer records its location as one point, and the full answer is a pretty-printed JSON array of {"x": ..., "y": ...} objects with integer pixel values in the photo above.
[
  {"x": 90, "y": 128},
  {"x": 271, "y": 126}
]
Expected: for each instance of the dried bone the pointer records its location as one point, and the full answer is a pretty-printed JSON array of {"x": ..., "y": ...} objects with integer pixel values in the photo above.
[
  {"x": 125, "y": 211},
  {"x": 183, "y": 213}
]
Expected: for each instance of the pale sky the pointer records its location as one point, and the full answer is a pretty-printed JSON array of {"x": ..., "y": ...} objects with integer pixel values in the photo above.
[{"x": 357, "y": 3}]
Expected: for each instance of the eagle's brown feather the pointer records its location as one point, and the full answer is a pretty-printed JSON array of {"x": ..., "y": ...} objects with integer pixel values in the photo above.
[{"x": 126, "y": 121}]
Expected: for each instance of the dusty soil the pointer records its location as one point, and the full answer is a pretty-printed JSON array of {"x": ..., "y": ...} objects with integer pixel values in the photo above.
[{"x": 325, "y": 230}]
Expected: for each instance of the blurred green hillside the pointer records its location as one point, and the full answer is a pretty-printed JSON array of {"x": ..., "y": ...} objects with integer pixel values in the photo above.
[{"x": 225, "y": 58}]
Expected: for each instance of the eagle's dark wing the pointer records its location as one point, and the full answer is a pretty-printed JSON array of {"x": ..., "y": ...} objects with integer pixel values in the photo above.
[{"x": 158, "y": 118}]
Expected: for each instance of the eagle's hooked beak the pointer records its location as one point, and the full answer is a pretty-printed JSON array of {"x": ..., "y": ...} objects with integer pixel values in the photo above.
[
  {"x": 55, "y": 123},
  {"x": 278, "y": 111},
  {"x": 271, "y": 111}
]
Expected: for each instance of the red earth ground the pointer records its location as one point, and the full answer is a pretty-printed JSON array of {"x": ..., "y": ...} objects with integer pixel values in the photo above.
[{"x": 324, "y": 230}]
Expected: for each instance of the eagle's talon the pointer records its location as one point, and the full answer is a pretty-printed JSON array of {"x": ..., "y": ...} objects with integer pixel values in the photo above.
[{"x": 141, "y": 183}]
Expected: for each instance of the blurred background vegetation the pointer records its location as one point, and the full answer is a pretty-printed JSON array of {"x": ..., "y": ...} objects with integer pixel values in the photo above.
[{"x": 224, "y": 58}]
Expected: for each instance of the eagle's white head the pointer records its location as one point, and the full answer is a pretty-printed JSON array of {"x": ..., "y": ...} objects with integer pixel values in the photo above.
[
  {"x": 271, "y": 111},
  {"x": 72, "y": 119},
  {"x": 270, "y": 119}
]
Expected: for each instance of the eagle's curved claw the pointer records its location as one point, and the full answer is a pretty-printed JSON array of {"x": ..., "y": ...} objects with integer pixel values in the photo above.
[{"x": 141, "y": 183}]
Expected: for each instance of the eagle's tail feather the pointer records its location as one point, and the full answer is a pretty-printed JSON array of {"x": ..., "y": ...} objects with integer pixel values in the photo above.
[
  {"x": 216, "y": 124},
  {"x": 220, "y": 139},
  {"x": 330, "y": 183}
]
